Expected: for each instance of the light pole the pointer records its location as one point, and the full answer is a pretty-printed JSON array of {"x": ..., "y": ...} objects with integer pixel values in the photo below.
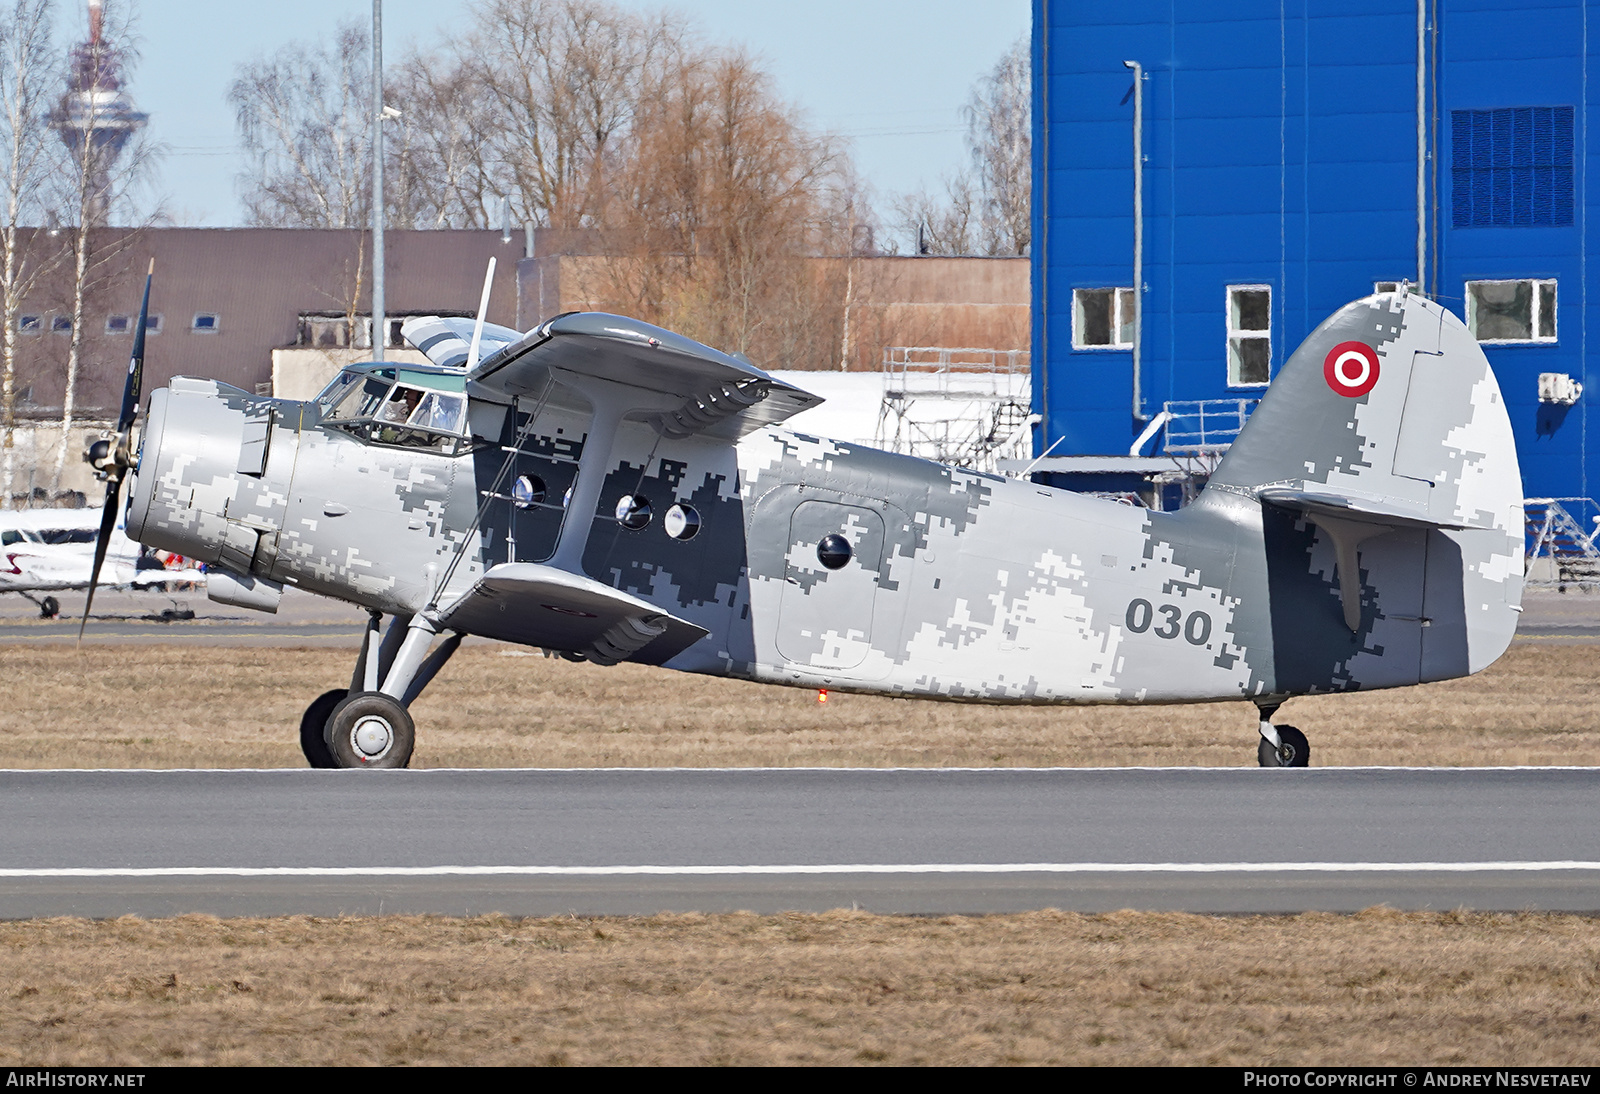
[{"x": 380, "y": 338}]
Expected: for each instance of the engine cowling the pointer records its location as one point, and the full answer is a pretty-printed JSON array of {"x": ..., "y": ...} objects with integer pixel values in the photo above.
[{"x": 212, "y": 476}]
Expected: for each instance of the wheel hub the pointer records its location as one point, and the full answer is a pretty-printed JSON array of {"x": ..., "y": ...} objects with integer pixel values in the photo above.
[{"x": 372, "y": 736}]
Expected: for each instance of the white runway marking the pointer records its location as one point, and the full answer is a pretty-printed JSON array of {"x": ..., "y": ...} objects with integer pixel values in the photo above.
[{"x": 829, "y": 868}]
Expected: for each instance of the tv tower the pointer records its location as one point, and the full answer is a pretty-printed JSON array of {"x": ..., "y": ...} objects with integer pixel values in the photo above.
[{"x": 94, "y": 117}]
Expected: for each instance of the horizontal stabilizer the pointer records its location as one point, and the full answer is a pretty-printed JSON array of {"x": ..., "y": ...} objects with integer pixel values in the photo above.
[
  {"x": 448, "y": 341},
  {"x": 536, "y": 605},
  {"x": 705, "y": 392},
  {"x": 1385, "y": 512}
]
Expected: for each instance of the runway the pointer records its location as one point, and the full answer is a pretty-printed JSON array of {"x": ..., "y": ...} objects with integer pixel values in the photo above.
[{"x": 152, "y": 843}]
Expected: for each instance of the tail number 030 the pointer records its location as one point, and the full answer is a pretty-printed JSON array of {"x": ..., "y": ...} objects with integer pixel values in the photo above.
[{"x": 1196, "y": 630}]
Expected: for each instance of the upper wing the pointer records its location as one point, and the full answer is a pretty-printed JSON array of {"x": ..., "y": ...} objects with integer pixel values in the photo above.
[{"x": 722, "y": 396}]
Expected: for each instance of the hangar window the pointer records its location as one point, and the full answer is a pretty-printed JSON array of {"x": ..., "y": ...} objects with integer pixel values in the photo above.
[
  {"x": 205, "y": 321},
  {"x": 1102, "y": 318},
  {"x": 119, "y": 324},
  {"x": 29, "y": 324},
  {"x": 61, "y": 324},
  {"x": 1512, "y": 311},
  {"x": 1249, "y": 335},
  {"x": 1511, "y": 167}
]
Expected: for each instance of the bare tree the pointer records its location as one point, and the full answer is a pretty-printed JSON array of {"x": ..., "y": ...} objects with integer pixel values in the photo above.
[
  {"x": 562, "y": 81},
  {"x": 439, "y": 167},
  {"x": 1000, "y": 138},
  {"x": 99, "y": 133},
  {"x": 723, "y": 197},
  {"x": 27, "y": 78},
  {"x": 707, "y": 194},
  {"x": 304, "y": 118},
  {"x": 940, "y": 226},
  {"x": 984, "y": 209}
]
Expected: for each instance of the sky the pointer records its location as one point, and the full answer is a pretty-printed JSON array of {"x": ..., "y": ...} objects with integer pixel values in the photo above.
[{"x": 889, "y": 75}]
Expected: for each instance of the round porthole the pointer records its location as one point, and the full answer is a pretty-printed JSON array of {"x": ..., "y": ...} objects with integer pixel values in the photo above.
[
  {"x": 527, "y": 491},
  {"x": 681, "y": 522},
  {"x": 833, "y": 551},
  {"x": 633, "y": 511}
]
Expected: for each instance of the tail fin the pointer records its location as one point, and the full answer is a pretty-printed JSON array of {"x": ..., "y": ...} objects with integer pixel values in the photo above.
[{"x": 1387, "y": 421}]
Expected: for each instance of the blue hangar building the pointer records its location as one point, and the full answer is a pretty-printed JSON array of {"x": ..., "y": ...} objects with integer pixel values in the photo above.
[{"x": 1212, "y": 181}]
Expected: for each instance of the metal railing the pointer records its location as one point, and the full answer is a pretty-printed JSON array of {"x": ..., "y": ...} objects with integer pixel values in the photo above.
[{"x": 1205, "y": 425}]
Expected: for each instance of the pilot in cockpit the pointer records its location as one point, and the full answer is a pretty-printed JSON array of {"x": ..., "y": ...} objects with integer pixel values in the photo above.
[{"x": 402, "y": 403}]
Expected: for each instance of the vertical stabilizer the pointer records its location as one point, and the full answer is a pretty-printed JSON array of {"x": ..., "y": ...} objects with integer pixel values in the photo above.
[{"x": 1387, "y": 435}]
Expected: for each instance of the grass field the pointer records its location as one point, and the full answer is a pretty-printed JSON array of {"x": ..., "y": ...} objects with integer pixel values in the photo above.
[
  {"x": 841, "y": 988},
  {"x": 495, "y": 706},
  {"x": 846, "y": 987}
]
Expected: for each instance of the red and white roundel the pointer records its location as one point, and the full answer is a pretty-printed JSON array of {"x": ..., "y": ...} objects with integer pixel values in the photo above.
[{"x": 1351, "y": 368}]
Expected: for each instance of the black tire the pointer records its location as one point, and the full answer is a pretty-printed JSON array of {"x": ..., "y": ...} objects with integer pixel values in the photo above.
[
  {"x": 1296, "y": 750},
  {"x": 314, "y": 727},
  {"x": 370, "y": 730},
  {"x": 49, "y": 608}
]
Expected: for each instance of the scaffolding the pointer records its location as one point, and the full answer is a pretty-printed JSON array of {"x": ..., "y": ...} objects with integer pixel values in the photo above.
[
  {"x": 964, "y": 406},
  {"x": 1560, "y": 552}
]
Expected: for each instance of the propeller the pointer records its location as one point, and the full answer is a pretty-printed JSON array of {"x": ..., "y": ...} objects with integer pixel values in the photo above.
[{"x": 112, "y": 459}]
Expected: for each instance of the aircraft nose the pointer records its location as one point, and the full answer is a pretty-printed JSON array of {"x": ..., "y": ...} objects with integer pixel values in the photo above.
[{"x": 187, "y": 471}]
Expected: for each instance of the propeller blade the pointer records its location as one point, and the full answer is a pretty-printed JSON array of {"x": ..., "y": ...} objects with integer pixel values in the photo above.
[
  {"x": 130, "y": 390},
  {"x": 108, "y": 523},
  {"x": 121, "y": 458}
]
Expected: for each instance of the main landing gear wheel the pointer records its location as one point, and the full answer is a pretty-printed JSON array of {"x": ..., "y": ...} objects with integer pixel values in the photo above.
[
  {"x": 1294, "y": 752},
  {"x": 314, "y": 727},
  {"x": 49, "y": 608},
  {"x": 369, "y": 729}
]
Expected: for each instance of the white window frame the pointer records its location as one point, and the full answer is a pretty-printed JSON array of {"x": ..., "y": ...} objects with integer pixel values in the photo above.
[
  {"x": 1120, "y": 294},
  {"x": 1533, "y": 319},
  {"x": 1235, "y": 333}
]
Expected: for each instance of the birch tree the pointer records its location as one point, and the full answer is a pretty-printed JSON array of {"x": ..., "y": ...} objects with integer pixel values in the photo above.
[
  {"x": 305, "y": 121},
  {"x": 28, "y": 75},
  {"x": 86, "y": 191}
]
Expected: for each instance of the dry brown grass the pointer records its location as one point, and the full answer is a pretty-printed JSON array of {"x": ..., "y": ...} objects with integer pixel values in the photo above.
[
  {"x": 1128, "y": 988},
  {"x": 155, "y": 706}
]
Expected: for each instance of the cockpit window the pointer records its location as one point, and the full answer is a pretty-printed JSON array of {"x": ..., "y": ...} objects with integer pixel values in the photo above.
[
  {"x": 419, "y": 410},
  {"x": 354, "y": 395}
]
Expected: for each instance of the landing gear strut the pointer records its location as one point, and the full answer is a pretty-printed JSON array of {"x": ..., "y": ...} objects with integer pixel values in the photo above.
[
  {"x": 1281, "y": 746},
  {"x": 368, "y": 724}
]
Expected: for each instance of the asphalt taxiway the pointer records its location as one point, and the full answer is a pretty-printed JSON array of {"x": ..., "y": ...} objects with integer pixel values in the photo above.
[{"x": 150, "y": 843}]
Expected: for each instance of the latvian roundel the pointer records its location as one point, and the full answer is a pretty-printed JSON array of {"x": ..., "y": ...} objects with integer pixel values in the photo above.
[{"x": 1351, "y": 368}]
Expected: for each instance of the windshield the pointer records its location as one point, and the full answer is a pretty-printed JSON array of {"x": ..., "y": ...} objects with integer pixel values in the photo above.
[
  {"x": 419, "y": 410},
  {"x": 359, "y": 399}
]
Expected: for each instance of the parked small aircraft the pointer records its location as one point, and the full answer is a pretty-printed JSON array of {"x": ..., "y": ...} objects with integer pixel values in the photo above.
[
  {"x": 611, "y": 491},
  {"x": 50, "y": 550}
]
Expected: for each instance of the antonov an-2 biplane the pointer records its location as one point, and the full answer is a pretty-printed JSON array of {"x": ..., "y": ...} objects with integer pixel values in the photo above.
[{"x": 611, "y": 491}]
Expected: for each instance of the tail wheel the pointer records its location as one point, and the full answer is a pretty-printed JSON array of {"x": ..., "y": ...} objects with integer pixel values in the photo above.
[
  {"x": 370, "y": 730},
  {"x": 1294, "y": 750},
  {"x": 314, "y": 727}
]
